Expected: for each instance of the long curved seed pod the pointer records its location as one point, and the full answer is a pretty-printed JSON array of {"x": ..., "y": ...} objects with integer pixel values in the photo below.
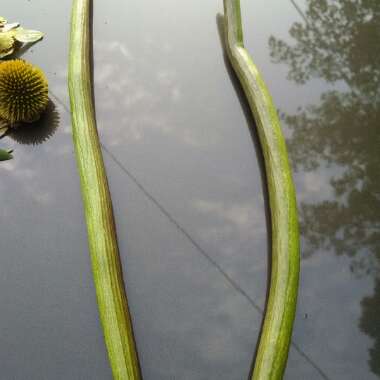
[
  {"x": 279, "y": 316},
  {"x": 106, "y": 266}
]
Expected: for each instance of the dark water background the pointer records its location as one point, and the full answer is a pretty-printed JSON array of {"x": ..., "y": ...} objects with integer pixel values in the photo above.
[{"x": 186, "y": 180}]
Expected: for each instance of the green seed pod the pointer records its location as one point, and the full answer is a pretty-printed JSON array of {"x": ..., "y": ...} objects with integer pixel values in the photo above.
[{"x": 23, "y": 92}]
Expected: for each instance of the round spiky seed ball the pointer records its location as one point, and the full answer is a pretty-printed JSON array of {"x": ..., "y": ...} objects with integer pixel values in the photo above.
[{"x": 23, "y": 91}]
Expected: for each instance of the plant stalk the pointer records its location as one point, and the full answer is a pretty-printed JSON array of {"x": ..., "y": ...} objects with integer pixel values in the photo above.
[
  {"x": 105, "y": 260},
  {"x": 285, "y": 258}
]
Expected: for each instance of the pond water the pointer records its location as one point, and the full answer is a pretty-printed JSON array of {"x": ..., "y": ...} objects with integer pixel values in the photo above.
[{"x": 186, "y": 178}]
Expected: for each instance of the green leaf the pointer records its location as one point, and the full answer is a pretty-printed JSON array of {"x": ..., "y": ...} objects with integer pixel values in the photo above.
[
  {"x": 6, "y": 154},
  {"x": 27, "y": 36},
  {"x": 7, "y": 44},
  {"x": 12, "y": 33}
]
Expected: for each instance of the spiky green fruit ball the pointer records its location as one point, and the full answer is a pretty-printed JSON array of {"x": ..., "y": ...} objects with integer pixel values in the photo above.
[{"x": 23, "y": 91}]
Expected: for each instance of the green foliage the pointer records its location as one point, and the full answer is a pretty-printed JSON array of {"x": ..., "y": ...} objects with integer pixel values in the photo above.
[
  {"x": 5, "y": 155},
  {"x": 12, "y": 36}
]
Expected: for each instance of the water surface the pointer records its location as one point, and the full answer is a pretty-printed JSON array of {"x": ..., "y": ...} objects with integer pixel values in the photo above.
[{"x": 187, "y": 184}]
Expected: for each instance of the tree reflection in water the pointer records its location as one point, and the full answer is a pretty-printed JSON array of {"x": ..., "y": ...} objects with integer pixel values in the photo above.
[{"x": 338, "y": 42}]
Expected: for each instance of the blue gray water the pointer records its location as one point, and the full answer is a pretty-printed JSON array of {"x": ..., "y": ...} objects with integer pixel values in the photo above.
[{"x": 186, "y": 178}]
